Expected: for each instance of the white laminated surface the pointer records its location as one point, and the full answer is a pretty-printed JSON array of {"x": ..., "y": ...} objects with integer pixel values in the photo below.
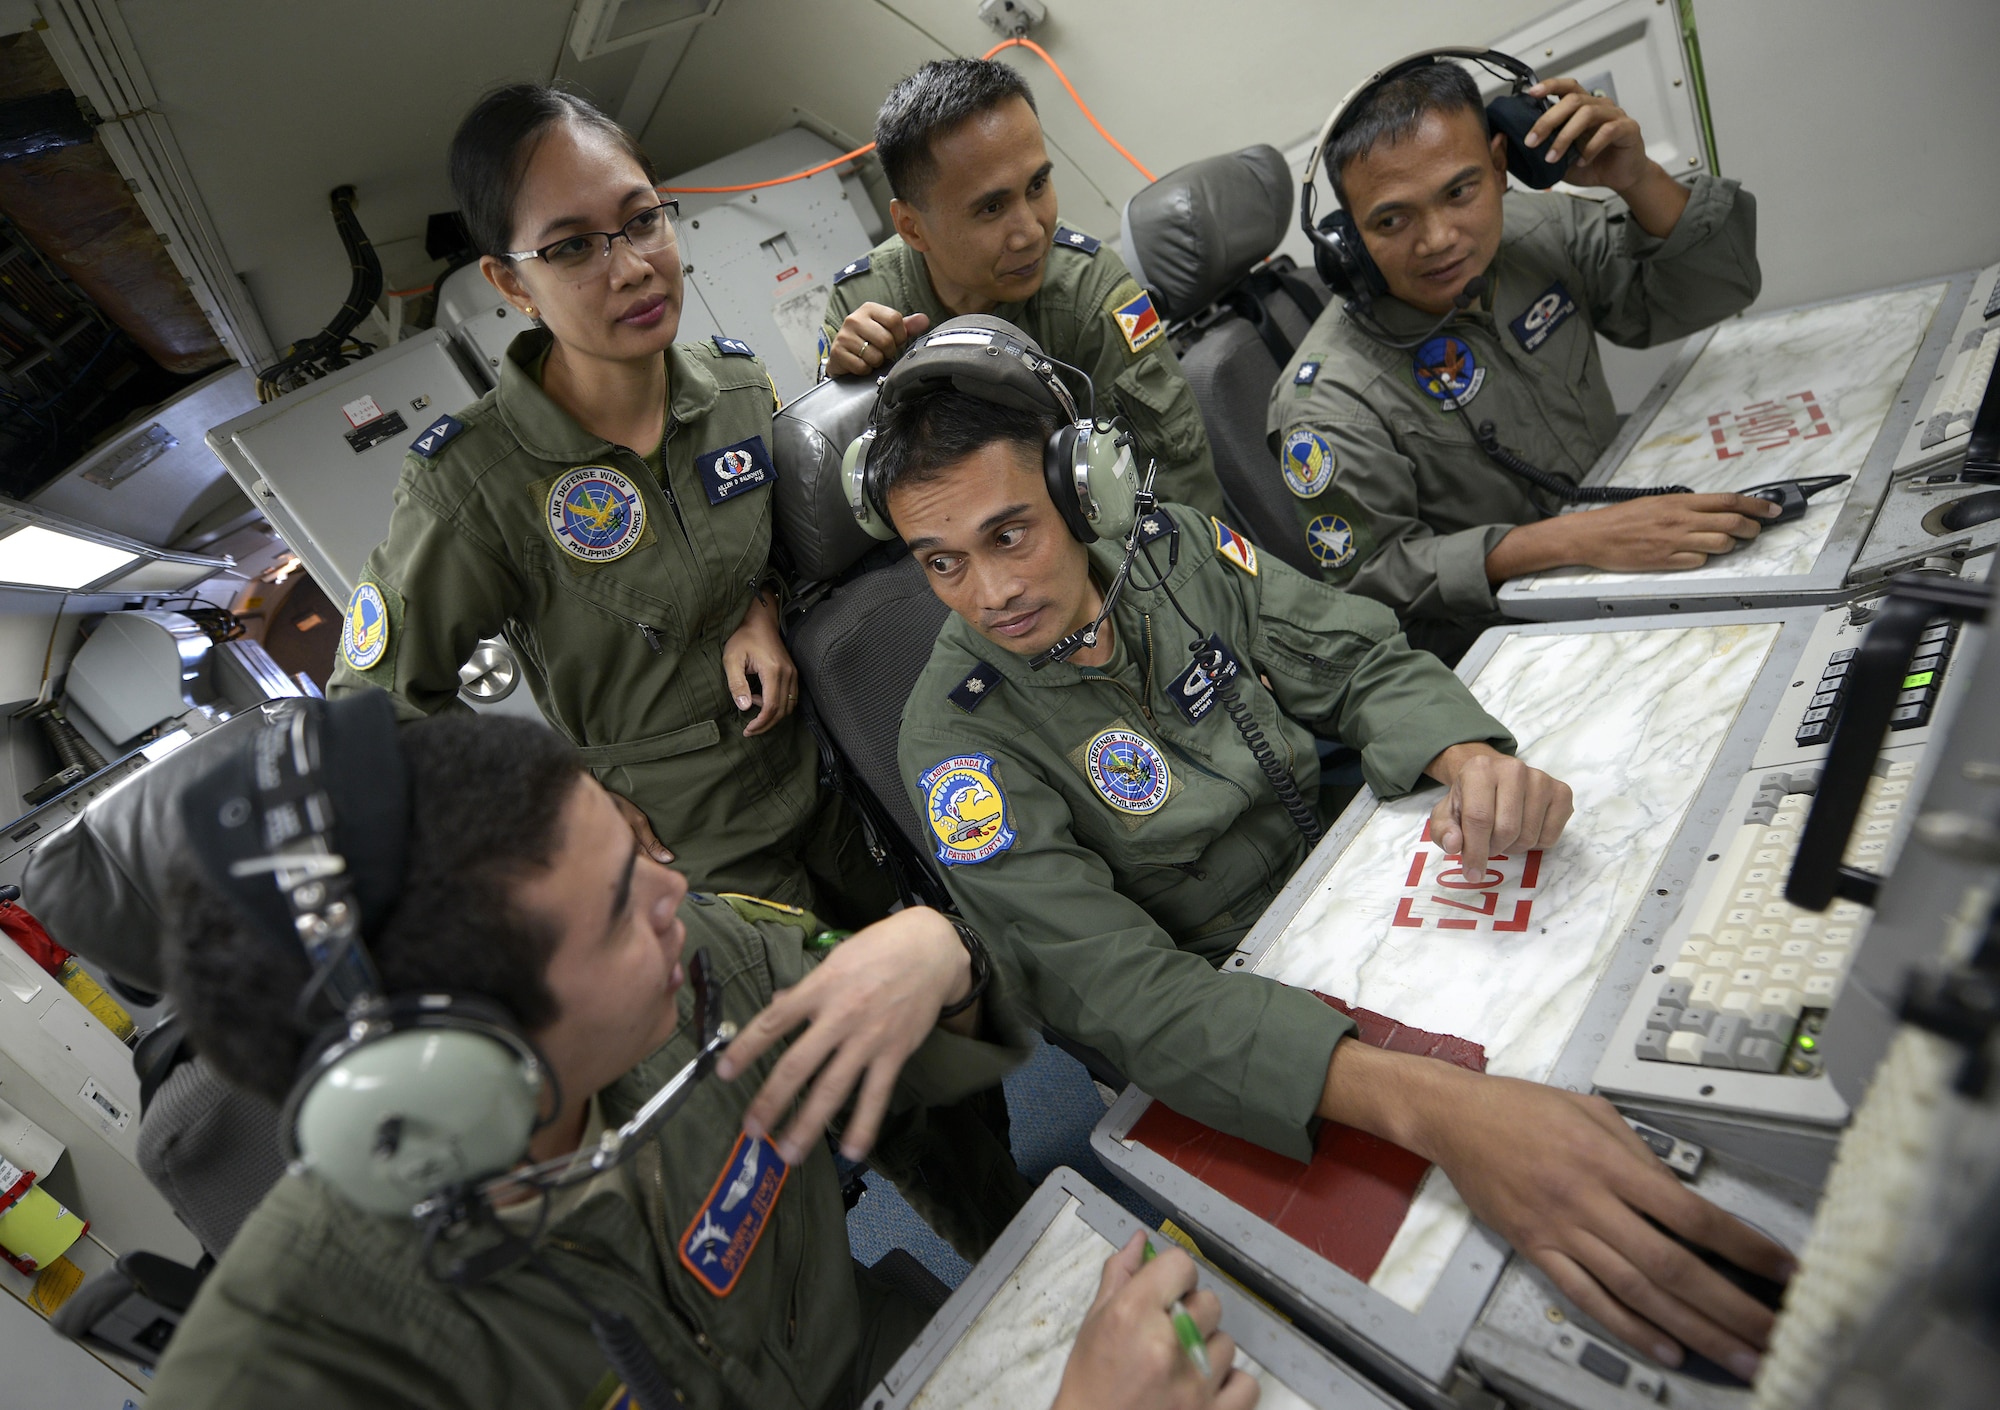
[
  {"x": 1631, "y": 720},
  {"x": 1013, "y": 1354},
  {"x": 1782, "y": 397}
]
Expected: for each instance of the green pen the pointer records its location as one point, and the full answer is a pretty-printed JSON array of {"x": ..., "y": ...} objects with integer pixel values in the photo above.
[{"x": 1184, "y": 1327}]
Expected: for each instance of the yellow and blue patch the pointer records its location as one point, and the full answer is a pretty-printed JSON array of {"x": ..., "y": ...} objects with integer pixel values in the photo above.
[
  {"x": 1307, "y": 462},
  {"x": 717, "y": 1244},
  {"x": 1127, "y": 771},
  {"x": 1138, "y": 321},
  {"x": 966, "y": 810},
  {"x": 1234, "y": 547},
  {"x": 596, "y": 514},
  {"x": 1330, "y": 540},
  {"x": 365, "y": 635},
  {"x": 1447, "y": 372}
]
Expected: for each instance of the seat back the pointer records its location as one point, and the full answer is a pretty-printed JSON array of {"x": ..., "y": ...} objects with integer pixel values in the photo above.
[
  {"x": 1232, "y": 372},
  {"x": 211, "y": 1149}
]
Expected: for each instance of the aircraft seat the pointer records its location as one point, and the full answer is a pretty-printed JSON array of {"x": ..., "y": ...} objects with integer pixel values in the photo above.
[{"x": 1200, "y": 240}]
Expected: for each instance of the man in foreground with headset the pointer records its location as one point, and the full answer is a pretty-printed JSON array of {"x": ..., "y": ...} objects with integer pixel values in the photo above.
[
  {"x": 484, "y": 862},
  {"x": 1465, "y": 303},
  {"x": 1102, "y": 819},
  {"x": 976, "y": 232}
]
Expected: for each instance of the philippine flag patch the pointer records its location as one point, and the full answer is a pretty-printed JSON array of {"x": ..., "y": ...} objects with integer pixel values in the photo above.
[
  {"x": 1234, "y": 547},
  {"x": 716, "y": 1247},
  {"x": 1138, "y": 321}
]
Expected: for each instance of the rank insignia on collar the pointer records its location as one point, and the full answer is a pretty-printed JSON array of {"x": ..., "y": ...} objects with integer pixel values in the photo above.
[
  {"x": 1304, "y": 376},
  {"x": 436, "y": 436},
  {"x": 732, "y": 347},
  {"x": 966, "y": 810},
  {"x": 848, "y": 271},
  {"x": 1234, "y": 547},
  {"x": 1076, "y": 240},
  {"x": 717, "y": 1245},
  {"x": 1156, "y": 525},
  {"x": 977, "y": 685}
]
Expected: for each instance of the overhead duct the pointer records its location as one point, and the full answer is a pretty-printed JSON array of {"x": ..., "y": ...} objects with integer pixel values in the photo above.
[{"x": 61, "y": 189}]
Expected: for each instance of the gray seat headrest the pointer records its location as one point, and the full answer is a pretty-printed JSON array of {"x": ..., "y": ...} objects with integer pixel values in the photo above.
[
  {"x": 100, "y": 884},
  {"x": 1200, "y": 228},
  {"x": 810, "y": 434}
]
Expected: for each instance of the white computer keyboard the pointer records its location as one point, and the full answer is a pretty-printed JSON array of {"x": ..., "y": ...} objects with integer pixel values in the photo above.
[{"x": 1752, "y": 983}]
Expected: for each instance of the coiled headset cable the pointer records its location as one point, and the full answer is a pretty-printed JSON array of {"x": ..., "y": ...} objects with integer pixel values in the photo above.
[{"x": 1275, "y": 773}]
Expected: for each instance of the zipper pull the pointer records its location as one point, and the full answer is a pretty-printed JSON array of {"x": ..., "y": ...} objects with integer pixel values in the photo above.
[{"x": 652, "y": 637}]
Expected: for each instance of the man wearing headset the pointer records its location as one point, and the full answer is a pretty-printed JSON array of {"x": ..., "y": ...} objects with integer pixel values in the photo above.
[
  {"x": 1466, "y": 303},
  {"x": 510, "y": 879},
  {"x": 1114, "y": 833},
  {"x": 976, "y": 232}
]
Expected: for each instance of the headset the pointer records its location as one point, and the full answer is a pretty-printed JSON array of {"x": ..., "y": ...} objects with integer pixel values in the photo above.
[
  {"x": 1339, "y": 253},
  {"x": 1086, "y": 464},
  {"x": 420, "y": 1105}
]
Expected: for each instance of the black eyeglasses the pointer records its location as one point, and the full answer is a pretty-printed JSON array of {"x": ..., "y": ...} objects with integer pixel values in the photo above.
[{"x": 576, "y": 257}]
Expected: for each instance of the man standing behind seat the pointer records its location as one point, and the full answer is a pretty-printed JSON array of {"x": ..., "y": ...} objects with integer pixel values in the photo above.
[
  {"x": 976, "y": 232},
  {"x": 1396, "y": 498}
]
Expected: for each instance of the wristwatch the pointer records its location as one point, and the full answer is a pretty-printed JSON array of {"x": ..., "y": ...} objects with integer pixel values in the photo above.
[{"x": 982, "y": 968}]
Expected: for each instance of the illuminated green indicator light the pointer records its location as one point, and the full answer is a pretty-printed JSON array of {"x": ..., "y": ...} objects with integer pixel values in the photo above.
[
  {"x": 1806, "y": 1044},
  {"x": 1921, "y": 678}
]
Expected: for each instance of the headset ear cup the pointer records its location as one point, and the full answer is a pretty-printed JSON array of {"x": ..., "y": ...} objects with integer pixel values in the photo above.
[
  {"x": 1513, "y": 115},
  {"x": 858, "y": 483},
  {"x": 1343, "y": 261},
  {"x": 1059, "y": 474}
]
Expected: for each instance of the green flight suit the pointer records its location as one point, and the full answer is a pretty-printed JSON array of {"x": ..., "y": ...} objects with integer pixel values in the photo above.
[
  {"x": 623, "y": 650},
  {"x": 1395, "y": 498},
  {"x": 319, "y": 1304},
  {"x": 1114, "y": 914},
  {"x": 1074, "y": 316}
]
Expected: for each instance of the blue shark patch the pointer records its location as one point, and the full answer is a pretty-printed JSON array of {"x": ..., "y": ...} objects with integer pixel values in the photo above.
[
  {"x": 732, "y": 347},
  {"x": 977, "y": 685},
  {"x": 1076, "y": 240},
  {"x": 1543, "y": 317},
  {"x": 848, "y": 271},
  {"x": 1304, "y": 376},
  {"x": 436, "y": 436},
  {"x": 733, "y": 470},
  {"x": 717, "y": 1245},
  {"x": 966, "y": 810}
]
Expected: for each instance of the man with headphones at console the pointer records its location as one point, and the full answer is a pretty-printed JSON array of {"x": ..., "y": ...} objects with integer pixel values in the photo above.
[
  {"x": 1112, "y": 749},
  {"x": 527, "y": 1168},
  {"x": 1443, "y": 407}
]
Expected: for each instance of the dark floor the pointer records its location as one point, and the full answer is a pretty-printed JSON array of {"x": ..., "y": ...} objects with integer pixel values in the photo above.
[{"x": 1053, "y": 1105}]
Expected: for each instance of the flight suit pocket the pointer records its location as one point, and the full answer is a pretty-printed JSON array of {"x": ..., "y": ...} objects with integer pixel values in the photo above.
[
  {"x": 609, "y": 591},
  {"x": 1150, "y": 395}
]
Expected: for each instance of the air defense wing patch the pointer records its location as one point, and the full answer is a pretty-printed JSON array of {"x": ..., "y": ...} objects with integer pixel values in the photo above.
[
  {"x": 1070, "y": 239},
  {"x": 716, "y": 1247},
  {"x": 966, "y": 810},
  {"x": 848, "y": 271},
  {"x": 971, "y": 692},
  {"x": 1234, "y": 547}
]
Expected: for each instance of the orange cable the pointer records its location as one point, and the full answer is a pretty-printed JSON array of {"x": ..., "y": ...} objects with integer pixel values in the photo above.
[
  {"x": 1027, "y": 44},
  {"x": 409, "y": 293}
]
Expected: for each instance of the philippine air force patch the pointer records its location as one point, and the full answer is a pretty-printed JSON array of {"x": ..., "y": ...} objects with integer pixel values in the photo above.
[
  {"x": 966, "y": 810},
  {"x": 596, "y": 514},
  {"x": 1127, "y": 771},
  {"x": 365, "y": 636},
  {"x": 1307, "y": 463}
]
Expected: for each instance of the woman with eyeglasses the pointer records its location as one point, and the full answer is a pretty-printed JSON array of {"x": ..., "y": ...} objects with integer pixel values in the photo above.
[{"x": 609, "y": 506}]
